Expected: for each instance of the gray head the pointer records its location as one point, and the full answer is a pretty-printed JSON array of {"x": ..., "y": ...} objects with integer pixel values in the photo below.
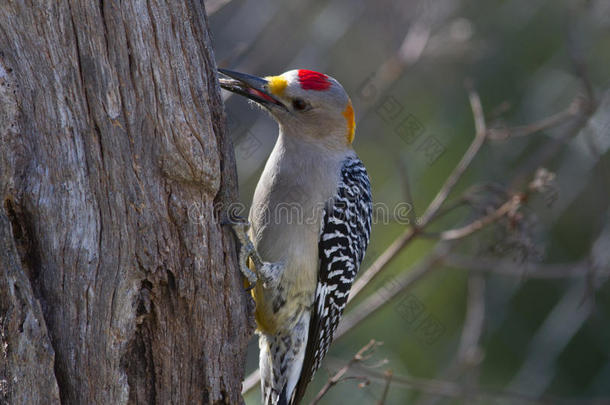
[{"x": 306, "y": 104}]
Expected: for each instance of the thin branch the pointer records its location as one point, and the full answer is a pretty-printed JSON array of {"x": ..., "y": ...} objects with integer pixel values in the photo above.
[
  {"x": 508, "y": 207},
  {"x": 469, "y": 155},
  {"x": 468, "y": 352},
  {"x": 451, "y": 389},
  {"x": 477, "y": 110},
  {"x": 573, "y": 110},
  {"x": 450, "y": 207},
  {"x": 251, "y": 381},
  {"x": 552, "y": 148},
  {"x": 388, "y": 374},
  {"x": 516, "y": 268},
  {"x": 437, "y": 387},
  {"x": 335, "y": 379}
]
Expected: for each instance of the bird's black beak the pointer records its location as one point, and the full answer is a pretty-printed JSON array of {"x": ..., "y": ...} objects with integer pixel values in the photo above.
[{"x": 252, "y": 87}]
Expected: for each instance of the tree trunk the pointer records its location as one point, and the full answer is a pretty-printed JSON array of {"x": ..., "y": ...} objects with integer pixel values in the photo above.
[{"x": 117, "y": 282}]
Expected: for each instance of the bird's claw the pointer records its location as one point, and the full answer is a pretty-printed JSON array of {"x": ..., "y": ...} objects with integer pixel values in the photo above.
[
  {"x": 249, "y": 274},
  {"x": 240, "y": 226},
  {"x": 266, "y": 272}
]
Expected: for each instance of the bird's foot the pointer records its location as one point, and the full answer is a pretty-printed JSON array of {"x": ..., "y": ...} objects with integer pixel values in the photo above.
[
  {"x": 269, "y": 273},
  {"x": 240, "y": 228}
]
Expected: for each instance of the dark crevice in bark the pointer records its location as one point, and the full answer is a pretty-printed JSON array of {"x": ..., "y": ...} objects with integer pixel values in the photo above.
[
  {"x": 103, "y": 18},
  {"x": 123, "y": 88},
  {"x": 60, "y": 378},
  {"x": 98, "y": 137},
  {"x": 25, "y": 358},
  {"x": 25, "y": 241},
  {"x": 138, "y": 360},
  {"x": 78, "y": 55},
  {"x": 28, "y": 250},
  {"x": 171, "y": 280}
]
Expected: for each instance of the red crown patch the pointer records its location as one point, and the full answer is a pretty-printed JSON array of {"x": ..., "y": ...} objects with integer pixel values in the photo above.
[{"x": 311, "y": 80}]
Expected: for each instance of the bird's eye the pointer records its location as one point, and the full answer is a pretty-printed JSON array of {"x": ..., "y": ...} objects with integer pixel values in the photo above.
[{"x": 299, "y": 104}]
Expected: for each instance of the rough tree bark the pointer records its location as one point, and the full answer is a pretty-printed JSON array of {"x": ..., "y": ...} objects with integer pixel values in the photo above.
[{"x": 117, "y": 282}]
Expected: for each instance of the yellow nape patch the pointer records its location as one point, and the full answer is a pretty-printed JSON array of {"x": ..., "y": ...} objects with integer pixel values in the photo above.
[
  {"x": 348, "y": 113},
  {"x": 277, "y": 85}
]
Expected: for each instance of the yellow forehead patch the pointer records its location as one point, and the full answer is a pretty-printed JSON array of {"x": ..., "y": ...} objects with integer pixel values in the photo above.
[
  {"x": 348, "y": 113},
  {"x": 277, "y": 85}
]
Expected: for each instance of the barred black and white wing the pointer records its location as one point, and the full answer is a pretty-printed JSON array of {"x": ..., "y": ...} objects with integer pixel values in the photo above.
[{"x": 344, "y": 236}]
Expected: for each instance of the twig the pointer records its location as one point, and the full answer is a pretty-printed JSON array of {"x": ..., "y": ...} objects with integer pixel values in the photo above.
[
  {"x": 468, "y": 352},
  {"x": 573, "y": 110},
  {"x": 452, "y": 389},
  {"x": 335, "y": 379},
  {"x": 450, "y": 207},
  {"x": 250, "y": 381},
  {"x": 469, "y": 155},
  {"x": 388, "y": 374},
  {"x": 541, "y": 181},
  {"x": 552, "y": 148},
  {"x": 514, "y": 268},
  {"x": 508, "y": 207}
]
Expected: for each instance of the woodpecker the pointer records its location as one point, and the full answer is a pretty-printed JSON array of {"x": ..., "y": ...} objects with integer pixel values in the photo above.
[{"x": 308, "y": 228}]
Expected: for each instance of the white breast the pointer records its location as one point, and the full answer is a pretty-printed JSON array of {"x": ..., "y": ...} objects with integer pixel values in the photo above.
[{"x": 298, "y": 180}]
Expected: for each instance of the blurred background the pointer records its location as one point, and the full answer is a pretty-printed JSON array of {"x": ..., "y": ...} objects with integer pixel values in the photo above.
[{"x": 517, "y": 311}]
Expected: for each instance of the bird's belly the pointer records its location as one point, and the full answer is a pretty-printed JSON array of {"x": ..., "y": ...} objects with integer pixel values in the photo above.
[{"x": 290, "y": 238}]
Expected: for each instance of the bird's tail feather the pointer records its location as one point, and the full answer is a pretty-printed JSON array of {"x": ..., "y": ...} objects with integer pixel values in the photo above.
[{"x": 280, "y": 362}]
